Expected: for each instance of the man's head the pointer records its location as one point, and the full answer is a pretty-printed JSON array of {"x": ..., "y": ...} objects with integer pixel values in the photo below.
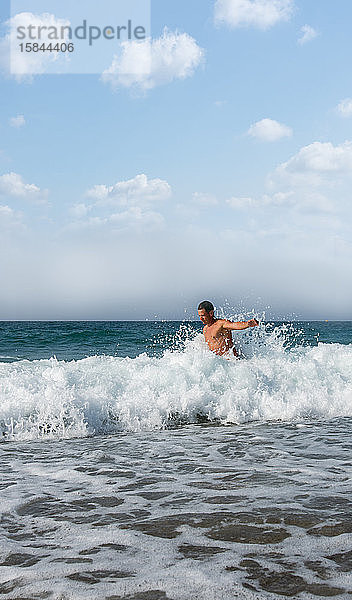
[{"x": 206, "y": 312}]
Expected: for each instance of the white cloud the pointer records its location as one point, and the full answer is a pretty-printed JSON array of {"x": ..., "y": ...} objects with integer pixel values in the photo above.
[
  {"x": 137, "y": 191},
  {"x": 133, "y": 200},
  {"x": 308, "y": 34},
  {"x": 240, "y": 203},
  {"x": 345, "y": 107},
  {"x": 18, "y": 121},
  {"x": 204, "y": 199},
  {"x": 154, "y": 62},
  {"x": 133, "y": 219},
  {"x": 269, "y": 130},
  {"x": 23, "y": 65},
  {"x": 315, "y": 162},
  {"x": 262, "y": 14},
  {"x": 316, "y": 179},
  {"x": 12, "y": 184}
]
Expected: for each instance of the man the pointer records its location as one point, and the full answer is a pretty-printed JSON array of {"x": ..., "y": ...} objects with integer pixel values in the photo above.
[{"x": 217, "y": 332}]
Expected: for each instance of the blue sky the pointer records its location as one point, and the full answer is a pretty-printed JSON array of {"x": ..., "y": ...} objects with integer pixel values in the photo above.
[{"x": 224, "y": 173}]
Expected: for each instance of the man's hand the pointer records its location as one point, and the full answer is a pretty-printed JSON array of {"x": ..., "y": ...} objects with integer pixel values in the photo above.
[{"x": 252, "y": 323}]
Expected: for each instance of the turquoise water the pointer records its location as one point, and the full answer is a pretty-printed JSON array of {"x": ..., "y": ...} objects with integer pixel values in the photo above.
[{"x": 72, "y": 340}]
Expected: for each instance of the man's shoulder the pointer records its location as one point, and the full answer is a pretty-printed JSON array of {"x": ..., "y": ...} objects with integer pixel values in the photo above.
[
  {"x": 221, "y": 322},
  {"x": 217, "y": 325}
]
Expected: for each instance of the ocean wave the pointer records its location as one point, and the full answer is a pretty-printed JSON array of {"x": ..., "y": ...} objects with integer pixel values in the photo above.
[{"x": 187, "y": 384}]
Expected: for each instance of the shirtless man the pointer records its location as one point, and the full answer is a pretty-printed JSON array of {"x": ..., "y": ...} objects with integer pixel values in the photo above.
[{"x": 217, "y": 332}]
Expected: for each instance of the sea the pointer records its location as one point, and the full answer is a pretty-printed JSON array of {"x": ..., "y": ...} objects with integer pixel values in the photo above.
[{"x": 135, "y": 464}]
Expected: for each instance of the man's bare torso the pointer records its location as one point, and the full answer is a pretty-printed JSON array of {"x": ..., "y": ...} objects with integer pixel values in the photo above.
[
  {"x": 218, "y": 339},
  {"x": 217, "y": 332}
]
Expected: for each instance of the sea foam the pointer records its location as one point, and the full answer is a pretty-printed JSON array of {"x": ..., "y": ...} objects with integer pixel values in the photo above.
[{"x": 99, "y": 395}]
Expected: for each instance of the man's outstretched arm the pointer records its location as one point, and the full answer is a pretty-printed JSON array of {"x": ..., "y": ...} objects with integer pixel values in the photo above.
[{"x": 240, "y": 324}]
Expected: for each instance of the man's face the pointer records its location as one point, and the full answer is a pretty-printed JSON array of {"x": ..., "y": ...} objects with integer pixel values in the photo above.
[{"x": 206, "y": 317}]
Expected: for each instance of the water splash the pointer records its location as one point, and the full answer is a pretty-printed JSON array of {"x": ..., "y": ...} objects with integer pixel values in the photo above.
[{"x": 281, "y": 379}]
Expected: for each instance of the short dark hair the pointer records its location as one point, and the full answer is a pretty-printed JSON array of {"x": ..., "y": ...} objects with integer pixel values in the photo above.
[{"x": 206, "y": 305}]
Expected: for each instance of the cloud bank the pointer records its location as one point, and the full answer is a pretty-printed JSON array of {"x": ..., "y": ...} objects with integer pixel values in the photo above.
[{"x": 126, "y": 253}]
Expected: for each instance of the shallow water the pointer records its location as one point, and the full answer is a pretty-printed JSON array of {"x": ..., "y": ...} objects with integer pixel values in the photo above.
[{"x": 256, "y": 510}]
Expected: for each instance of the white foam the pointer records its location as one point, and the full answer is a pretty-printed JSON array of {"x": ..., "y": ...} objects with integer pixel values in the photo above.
[{"x": 105, "y": 394}]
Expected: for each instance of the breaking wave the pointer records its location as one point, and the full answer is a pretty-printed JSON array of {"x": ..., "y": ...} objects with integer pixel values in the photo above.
[{"x": 280, "y": 379}]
